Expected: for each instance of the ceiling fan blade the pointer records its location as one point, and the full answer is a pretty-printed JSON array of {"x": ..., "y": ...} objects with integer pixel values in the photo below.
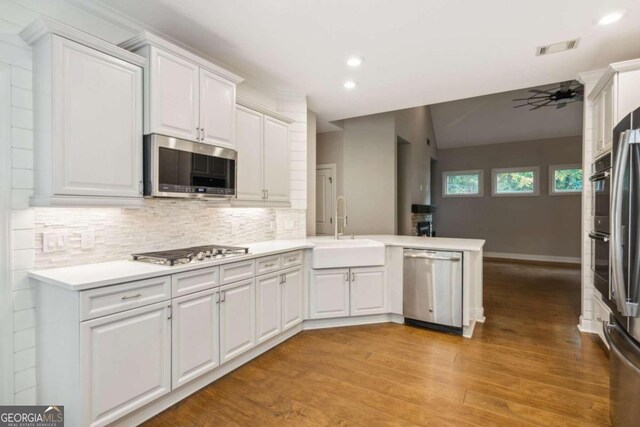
[
  {"x": 523, "y": 105},
  {"x": 541, "y": 105},
  {"x": 539, "y": 91},
  {"x": 566, "y": 85},
  {"x": 532, "y": 98}
]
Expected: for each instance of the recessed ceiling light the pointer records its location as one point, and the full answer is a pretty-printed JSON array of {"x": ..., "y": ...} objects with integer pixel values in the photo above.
[
  {"x": 355, "y": 61},
  {"x": 612, "y": 17},
  {"x": 350, "y": 84}
]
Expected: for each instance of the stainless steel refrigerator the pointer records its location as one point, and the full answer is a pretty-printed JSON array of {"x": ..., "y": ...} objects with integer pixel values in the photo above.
[{"x": 623, "y": 330}]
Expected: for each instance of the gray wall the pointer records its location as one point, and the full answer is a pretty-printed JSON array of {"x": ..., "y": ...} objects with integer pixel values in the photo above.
[
  {"x": 532, "y": 225},
  {"x": 369, "y": 154},
  {"x": 414, "y": 126}
]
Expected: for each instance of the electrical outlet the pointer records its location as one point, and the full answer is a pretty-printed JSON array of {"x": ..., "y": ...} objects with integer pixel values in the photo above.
[
  {"x": 88, "y": 239},
  {"x": 54, "y": 241}
]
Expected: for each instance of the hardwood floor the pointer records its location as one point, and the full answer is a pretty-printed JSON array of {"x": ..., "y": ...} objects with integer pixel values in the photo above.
[{"x": 527, "y": 365}]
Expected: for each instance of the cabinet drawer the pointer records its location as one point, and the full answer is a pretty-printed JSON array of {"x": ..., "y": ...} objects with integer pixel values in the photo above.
[
  {"x": 193, "y": 281},
  {"x": 268, "y": 264},
  {"x": 291, "y": 259},
  {"x": 113, "y": 299},
  {"x": 237, "y": 271}
]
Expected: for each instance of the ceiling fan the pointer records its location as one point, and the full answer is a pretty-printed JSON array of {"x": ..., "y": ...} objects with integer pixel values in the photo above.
[{"x": 559, "y": 96}]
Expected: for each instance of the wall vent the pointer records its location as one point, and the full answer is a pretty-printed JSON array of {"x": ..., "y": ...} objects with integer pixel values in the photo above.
[{"x": 557, "y": 47}]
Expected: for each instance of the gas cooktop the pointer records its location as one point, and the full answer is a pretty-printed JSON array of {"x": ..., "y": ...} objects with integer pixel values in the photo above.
[{"x": 193, "y": 254}]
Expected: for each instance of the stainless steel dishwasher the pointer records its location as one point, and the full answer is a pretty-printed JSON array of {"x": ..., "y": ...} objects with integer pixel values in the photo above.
[{"x": 432, "y": 289}]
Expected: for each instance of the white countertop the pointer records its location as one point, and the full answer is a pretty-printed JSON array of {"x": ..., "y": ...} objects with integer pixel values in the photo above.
[{"x": 88, "y": 276}]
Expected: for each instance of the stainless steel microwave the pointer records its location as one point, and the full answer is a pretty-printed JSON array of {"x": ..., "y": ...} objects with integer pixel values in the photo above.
[{"x": 178, "y": 168}]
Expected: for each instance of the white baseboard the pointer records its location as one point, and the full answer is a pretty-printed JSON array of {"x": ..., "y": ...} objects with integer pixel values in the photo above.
[
  {"x": 530, "y": 257},
  {"x": 585, "y": 325},
  {"x": 352, "y": 321},
  {"x": 478, "y": 314}
]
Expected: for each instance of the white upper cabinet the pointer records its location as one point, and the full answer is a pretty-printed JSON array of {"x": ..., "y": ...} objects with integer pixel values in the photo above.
[
  {"x": 88, "y": 119},
  {"x": 250, "y": 158},
  {"x": 262, "y": 138},
  {"x": 217, "y": 109},
  {"x": 616, "y": 94},
  {"x": 186, "y": 96},
  {"x": 174, "y": 93},
  {"x": 276, "y": 160}
]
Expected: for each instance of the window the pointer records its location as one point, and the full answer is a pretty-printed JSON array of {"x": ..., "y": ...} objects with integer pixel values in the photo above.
[
  {"x": 565, "y": 179},
  {"x": 462, "y": 183},
  {"x": 516, "y": 181}
]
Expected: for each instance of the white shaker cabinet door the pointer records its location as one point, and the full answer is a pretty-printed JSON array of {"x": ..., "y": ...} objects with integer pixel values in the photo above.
[
  {"x": 268, "y": 306},
  {"x": 97, "y": 126},
  {"x": 126, "y": 361},
  {"x": 249, "y": 130},
  {"x": 329, "y": 293},
  {"x": 217, "y": 110},
  {"x": 276, "y": 159},
  {"x": 292, "y": 298},
  {"x": 195, "y": 335},
  {"x": 237, "y": 319},
  {"x": 174, "y": 91},
  {"x": 368, "y": 291}
]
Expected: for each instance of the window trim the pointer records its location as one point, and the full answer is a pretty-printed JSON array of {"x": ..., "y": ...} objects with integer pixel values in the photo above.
[
  {"x": 552, "y": 181},
  {"x": 536, "y": 181},
  {"x": 478, "y": 172}
]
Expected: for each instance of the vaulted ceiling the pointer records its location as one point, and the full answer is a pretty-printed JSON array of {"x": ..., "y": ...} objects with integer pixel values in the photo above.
[{"x": 417, "y": 52}]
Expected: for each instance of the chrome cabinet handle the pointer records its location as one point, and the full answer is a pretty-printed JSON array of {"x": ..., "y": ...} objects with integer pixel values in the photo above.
[
  {"x": 170, "y": 316},
  {"x": 140, "y": 187},
  {"x": 223, "y": 297},
  {"x": 293, "y": 259},
  {"x": 346, "y": 277},
  {"x": 203, "y": 135},
  {"x": 126, "y": 297},
  {"x": 269, "y": 265}
]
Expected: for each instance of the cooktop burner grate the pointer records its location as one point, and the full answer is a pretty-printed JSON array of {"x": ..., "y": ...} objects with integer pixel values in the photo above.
[{"x": 186, "y": 255}]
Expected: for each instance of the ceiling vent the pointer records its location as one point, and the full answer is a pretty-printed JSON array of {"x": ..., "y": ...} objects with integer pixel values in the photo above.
[{"x": 557, "y": 47}]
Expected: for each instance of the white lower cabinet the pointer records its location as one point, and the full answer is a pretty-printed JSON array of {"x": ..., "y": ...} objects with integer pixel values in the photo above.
[
  {"x": 279, "y": 302},
  {"x": 126, "y": 361},
  {"x": 347, "y": 292},
  {"x": 329, "y": 293},
  {"x": 237, "y": 319},
  {"x": 195, "y": 336},
  {"x": 367, "y": 291},
  {"x": 291, "y": 298},
  {"x": 268, "y": 306}
]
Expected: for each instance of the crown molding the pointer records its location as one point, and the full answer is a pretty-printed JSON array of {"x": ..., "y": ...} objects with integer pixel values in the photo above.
[
  {"x": 256, "y": 106},
  {"x": 610, "y": 71},
  {"x": 43, "y": 26},
  {"x": 116, "y": 17},
  {"x": 146, "y": 38}
]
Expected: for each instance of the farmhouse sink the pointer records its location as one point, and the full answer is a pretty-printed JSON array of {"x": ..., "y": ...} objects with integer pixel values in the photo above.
[{"x": 347, "y": 253}]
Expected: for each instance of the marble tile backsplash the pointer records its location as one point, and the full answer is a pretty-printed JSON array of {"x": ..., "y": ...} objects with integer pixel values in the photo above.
[{"x": 159, "y": 224}]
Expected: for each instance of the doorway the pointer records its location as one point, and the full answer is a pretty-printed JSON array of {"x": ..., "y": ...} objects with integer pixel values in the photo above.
[{"x": 325, "y": 198}]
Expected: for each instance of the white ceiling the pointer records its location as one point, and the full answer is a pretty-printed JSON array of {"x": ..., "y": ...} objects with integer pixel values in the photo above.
[
  {"x": 417, "y": 52},
  {"x": 491, "y": 119}
]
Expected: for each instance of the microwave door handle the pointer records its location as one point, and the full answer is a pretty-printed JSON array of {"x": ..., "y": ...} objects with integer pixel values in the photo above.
[{"x": 617, "y": 267}]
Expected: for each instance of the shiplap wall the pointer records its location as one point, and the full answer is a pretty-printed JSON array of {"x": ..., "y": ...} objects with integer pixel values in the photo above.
[{"x": 14, "y": 16}]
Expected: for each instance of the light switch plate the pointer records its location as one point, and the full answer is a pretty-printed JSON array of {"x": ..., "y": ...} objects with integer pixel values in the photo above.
[{"x": 54, "y": 241}]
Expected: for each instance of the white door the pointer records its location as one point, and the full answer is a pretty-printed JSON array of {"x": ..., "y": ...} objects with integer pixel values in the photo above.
[
  {"x": 276, "y": 159},
  {"x": 325, "y": 195},
  {"x": 174, "y": 91},
  {"x": 217, "y": 110},
  {"x": 237, "y": 319},
  {"x": 291, "y": 298},
  {"x": 368, "y": 291},
  {"x": 126, "y": 361},
  {"x": 249, "y": 130},
  {"x": 268, "y": 306},
  {"x": 97, "y": 123},
  {"x": 329, "y": 293},
  {"x": 195, "y": 336}
]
